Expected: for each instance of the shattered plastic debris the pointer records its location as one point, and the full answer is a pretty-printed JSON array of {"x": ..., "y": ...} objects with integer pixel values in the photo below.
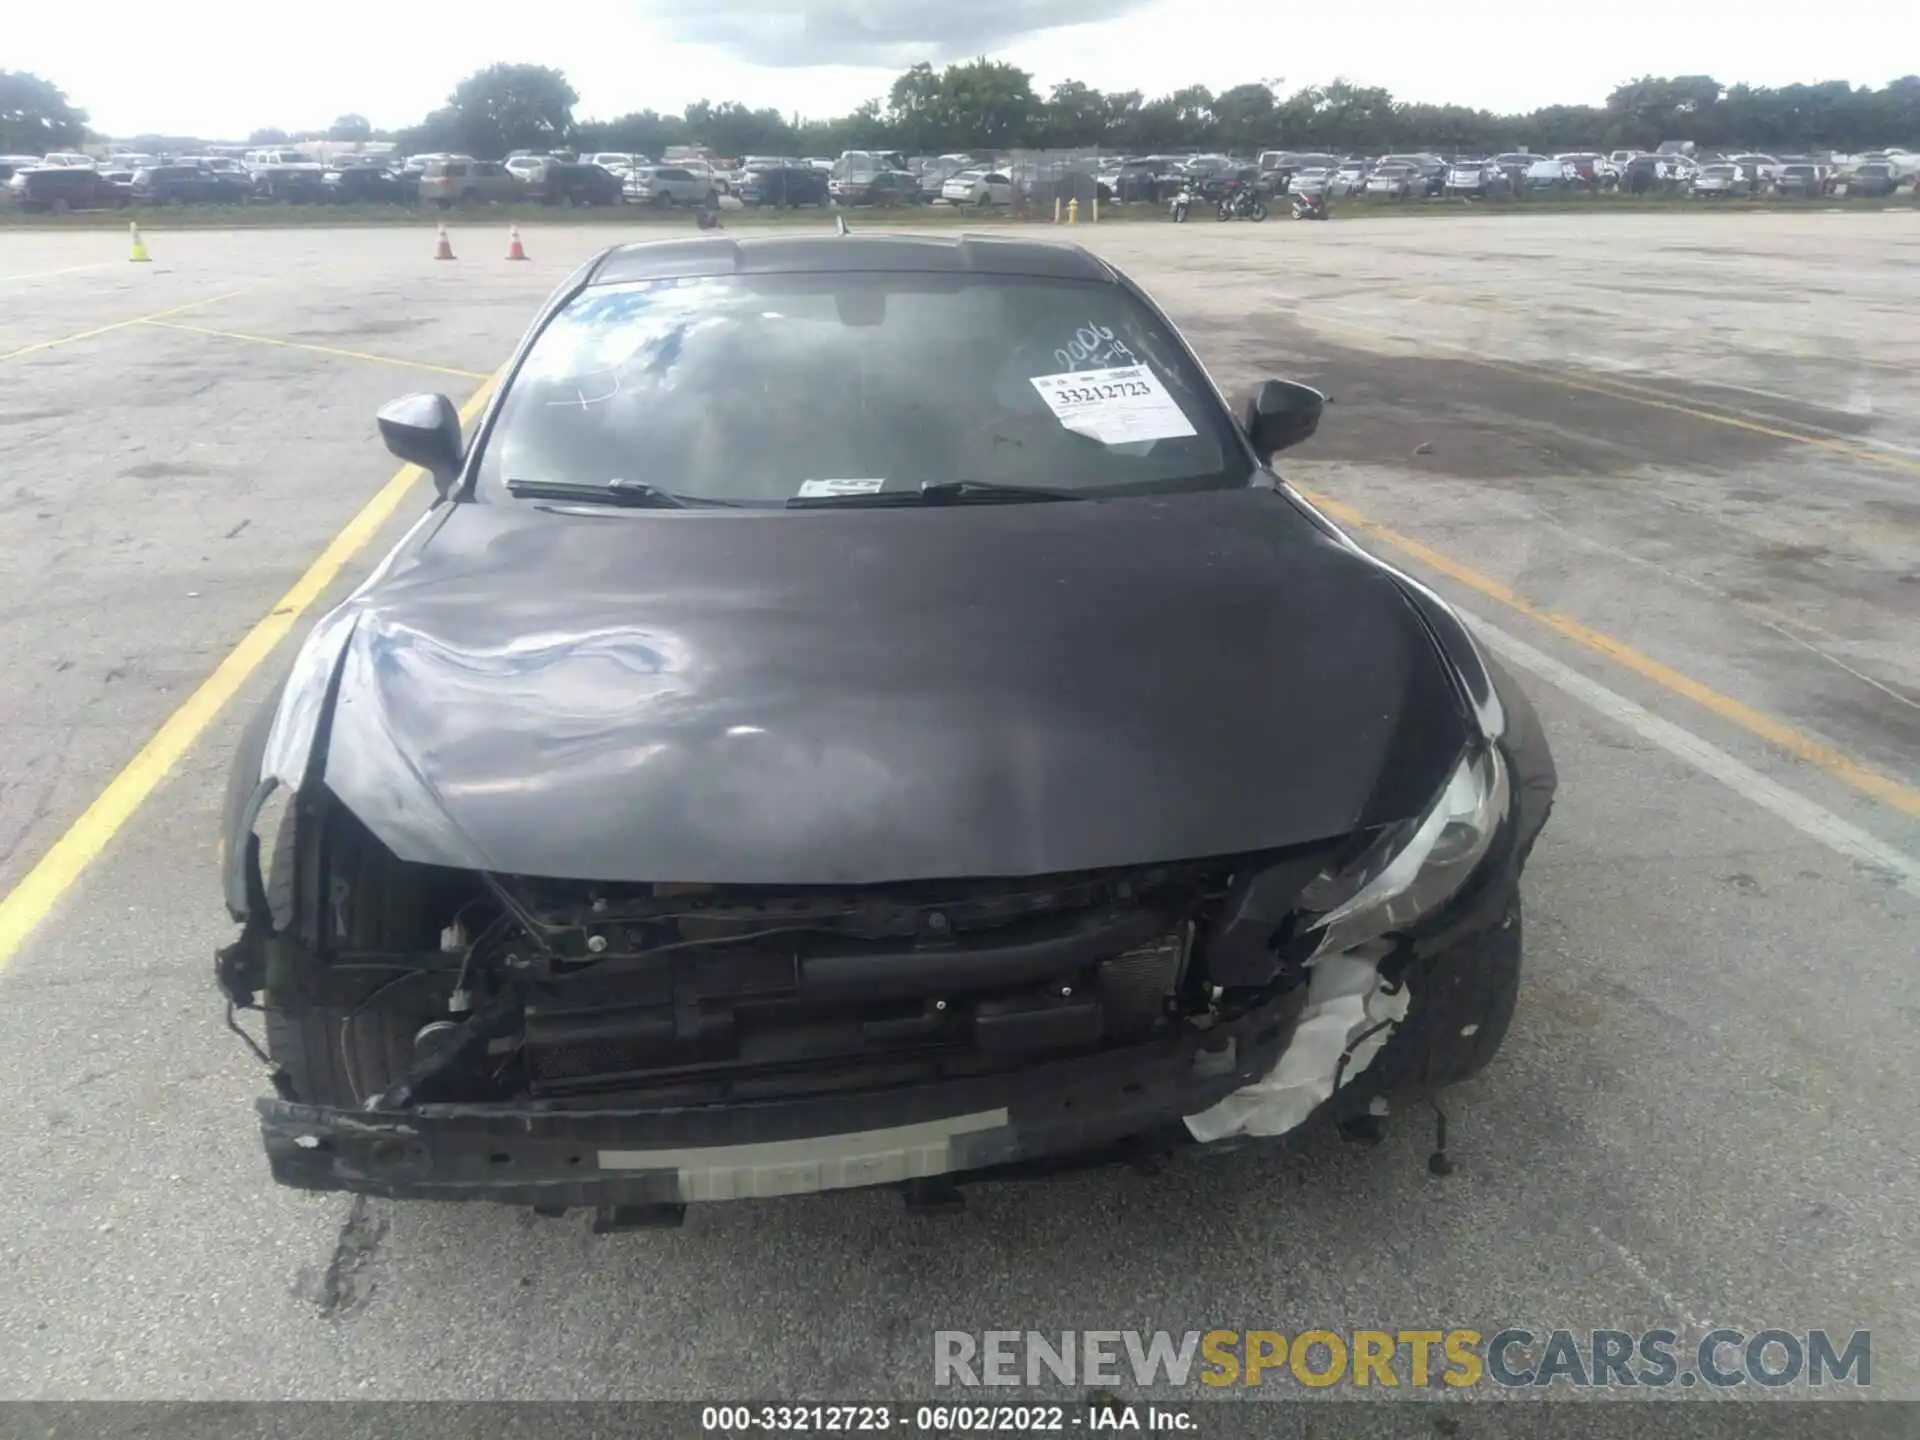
[{"x": 1344, "y": 999}]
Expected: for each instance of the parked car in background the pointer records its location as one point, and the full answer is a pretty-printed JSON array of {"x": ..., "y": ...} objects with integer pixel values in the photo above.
[
  {"x": 1348, "y": 178},
  {"x": 60, "y": 188},
  {"x": 1547, "y": 175},
  {"x": 1721, "y": 181},
  {"x": 1765, "y": 167},
  {"x": 978, "y": 187},
  {"x": 10, "y": 165},
  {"x": 617, "y": 162},
  {"x": 286, "y": 175},
  {"x": 233, "y": 178},
  {"x": 1478, "y": 180},
  {"x": 1395, "y": 181},
  {"x": 789, "y": 182},
  {"x": 1799, "y": 182},
  {"x": 886, "y": 188},
  {"x": 706, "y": 171},
  {"x": 181, "y": 184},
  {"x": 936, "y": 170},
  {"x": 1593, "y": 169},
  {"x": 563, "y": 182},
  {"x": 1136, "y": 180},
  {"x": 356, "y": 181},
  {"x": 1430, "y": 171},
  {"x": 462, "y": 180},
  {"x": 666, "y": 185},
  {"x": 1514, "y": 165},
  {"x": 1277, "y": 168},
  {"x": 521, "y": 167},
  {"x": 68, "y": 160},
  {"x": 1310, "y": 180},
  {"x": 1873, "y": 179}
]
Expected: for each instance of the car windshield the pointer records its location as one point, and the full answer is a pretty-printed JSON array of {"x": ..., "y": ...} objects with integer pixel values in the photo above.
[{"x": 759, "y": 389}]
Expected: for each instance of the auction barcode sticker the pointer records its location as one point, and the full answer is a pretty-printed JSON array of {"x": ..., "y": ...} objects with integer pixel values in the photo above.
[{"x": 1114, "y": 406}]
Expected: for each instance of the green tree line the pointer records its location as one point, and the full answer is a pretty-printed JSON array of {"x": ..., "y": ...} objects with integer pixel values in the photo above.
[{"x": 989, "y": 104}]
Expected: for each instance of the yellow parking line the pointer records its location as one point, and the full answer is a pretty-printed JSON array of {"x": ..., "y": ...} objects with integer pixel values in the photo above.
[
  {"x": 333, "y": 350},
  {"x": 64, "y": 270},
  {"x": 40, "y": 889},
  {"x": 1632, "y": 395},
  {"x": 1863, "y": 778},
  {"x": 40, "y": 345}
]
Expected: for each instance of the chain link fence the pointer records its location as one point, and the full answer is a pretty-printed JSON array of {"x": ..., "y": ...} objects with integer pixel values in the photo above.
[{"x": 1041, "y": 177}]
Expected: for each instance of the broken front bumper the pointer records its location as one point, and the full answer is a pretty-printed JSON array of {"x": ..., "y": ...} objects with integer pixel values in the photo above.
[{"x": 620, "y": 1155}]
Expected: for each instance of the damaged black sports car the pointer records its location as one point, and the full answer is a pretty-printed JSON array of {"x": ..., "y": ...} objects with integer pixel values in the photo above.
[{"x": 861, "y": 711}]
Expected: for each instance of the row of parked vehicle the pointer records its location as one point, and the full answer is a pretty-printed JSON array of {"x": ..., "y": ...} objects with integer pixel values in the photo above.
[
  {"x": 1521, "y": 173},
  {"x": 70, "y": 181}
]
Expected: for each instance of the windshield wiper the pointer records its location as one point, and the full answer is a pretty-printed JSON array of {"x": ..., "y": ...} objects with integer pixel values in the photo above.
[
  {"x": 938, "y": 492},
  {"x": 635, "y": 494}
]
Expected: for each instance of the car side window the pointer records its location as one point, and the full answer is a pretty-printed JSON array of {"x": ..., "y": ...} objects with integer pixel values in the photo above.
[{"x": 998, "y": 180}]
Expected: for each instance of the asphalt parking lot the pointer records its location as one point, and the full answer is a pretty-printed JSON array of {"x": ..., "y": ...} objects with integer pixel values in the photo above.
[{"x": 1671, "y": 464}]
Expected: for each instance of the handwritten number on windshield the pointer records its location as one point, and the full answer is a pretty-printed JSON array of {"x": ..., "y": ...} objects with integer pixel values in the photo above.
[{"x": 1093, "y": 346}]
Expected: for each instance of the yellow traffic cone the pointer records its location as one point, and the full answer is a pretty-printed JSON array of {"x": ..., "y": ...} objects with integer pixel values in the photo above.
[{"x": 139, "y": 255}]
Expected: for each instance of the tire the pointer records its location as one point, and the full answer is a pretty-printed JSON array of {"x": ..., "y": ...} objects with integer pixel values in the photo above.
[
  {"x": 1220, "y": 213},
  {"x": 984, "y": 201},
  {"x": 339, "y": 1055},
  {"x": 1257, "y": 213},
  {"x": 1179, "y": 214},
  {"x": 1478, "y": 989}
]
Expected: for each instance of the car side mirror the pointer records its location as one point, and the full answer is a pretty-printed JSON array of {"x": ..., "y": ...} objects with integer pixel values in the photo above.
[
  {"x": 1282, "y": 413},
  {"x": 424, "y": 430}
]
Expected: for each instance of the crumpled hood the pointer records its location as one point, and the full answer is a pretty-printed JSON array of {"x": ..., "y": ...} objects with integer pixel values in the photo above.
[{"x": 859, "y": 696}]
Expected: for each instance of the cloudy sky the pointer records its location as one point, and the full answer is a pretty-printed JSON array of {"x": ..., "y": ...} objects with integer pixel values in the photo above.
[{"x": 224, "y": 67}]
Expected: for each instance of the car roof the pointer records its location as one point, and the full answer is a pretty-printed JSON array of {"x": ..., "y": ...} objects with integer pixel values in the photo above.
[{"x": 802, "y": 254}]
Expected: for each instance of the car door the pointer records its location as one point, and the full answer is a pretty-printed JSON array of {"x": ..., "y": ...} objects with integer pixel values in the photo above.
[
  {"x": 999, "y": 186},
  {"x": 490, "y": 180}
]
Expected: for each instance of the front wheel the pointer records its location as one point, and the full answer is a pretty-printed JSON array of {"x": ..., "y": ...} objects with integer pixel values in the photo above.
[
  {"x": 1257, "y": 213},
  {"x": 1179, "y": 213},
  {"x": 1222, "y": 213},
  {"x": 335, "y": 1053}
]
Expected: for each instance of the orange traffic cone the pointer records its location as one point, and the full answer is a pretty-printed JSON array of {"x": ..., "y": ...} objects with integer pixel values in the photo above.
[
  {"x": 444, "y": 251},
  {"x": 514, "y": 249}
]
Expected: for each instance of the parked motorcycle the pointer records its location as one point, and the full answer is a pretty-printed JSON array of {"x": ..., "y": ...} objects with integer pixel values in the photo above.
[
  {"x": 1182, "y": 203},
  {"x": 1241, "y": 203},
  {"x": 1310, "y": 206}
]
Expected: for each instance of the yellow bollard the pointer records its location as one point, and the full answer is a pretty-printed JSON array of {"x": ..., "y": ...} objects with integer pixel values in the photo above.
[
  {"x": 1073, "y": 212},
  {"x": 1056, "y": 209}
]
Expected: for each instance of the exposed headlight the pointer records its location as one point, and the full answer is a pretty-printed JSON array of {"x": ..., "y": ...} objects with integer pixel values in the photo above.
[{"x": 1416, "y": 866}]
